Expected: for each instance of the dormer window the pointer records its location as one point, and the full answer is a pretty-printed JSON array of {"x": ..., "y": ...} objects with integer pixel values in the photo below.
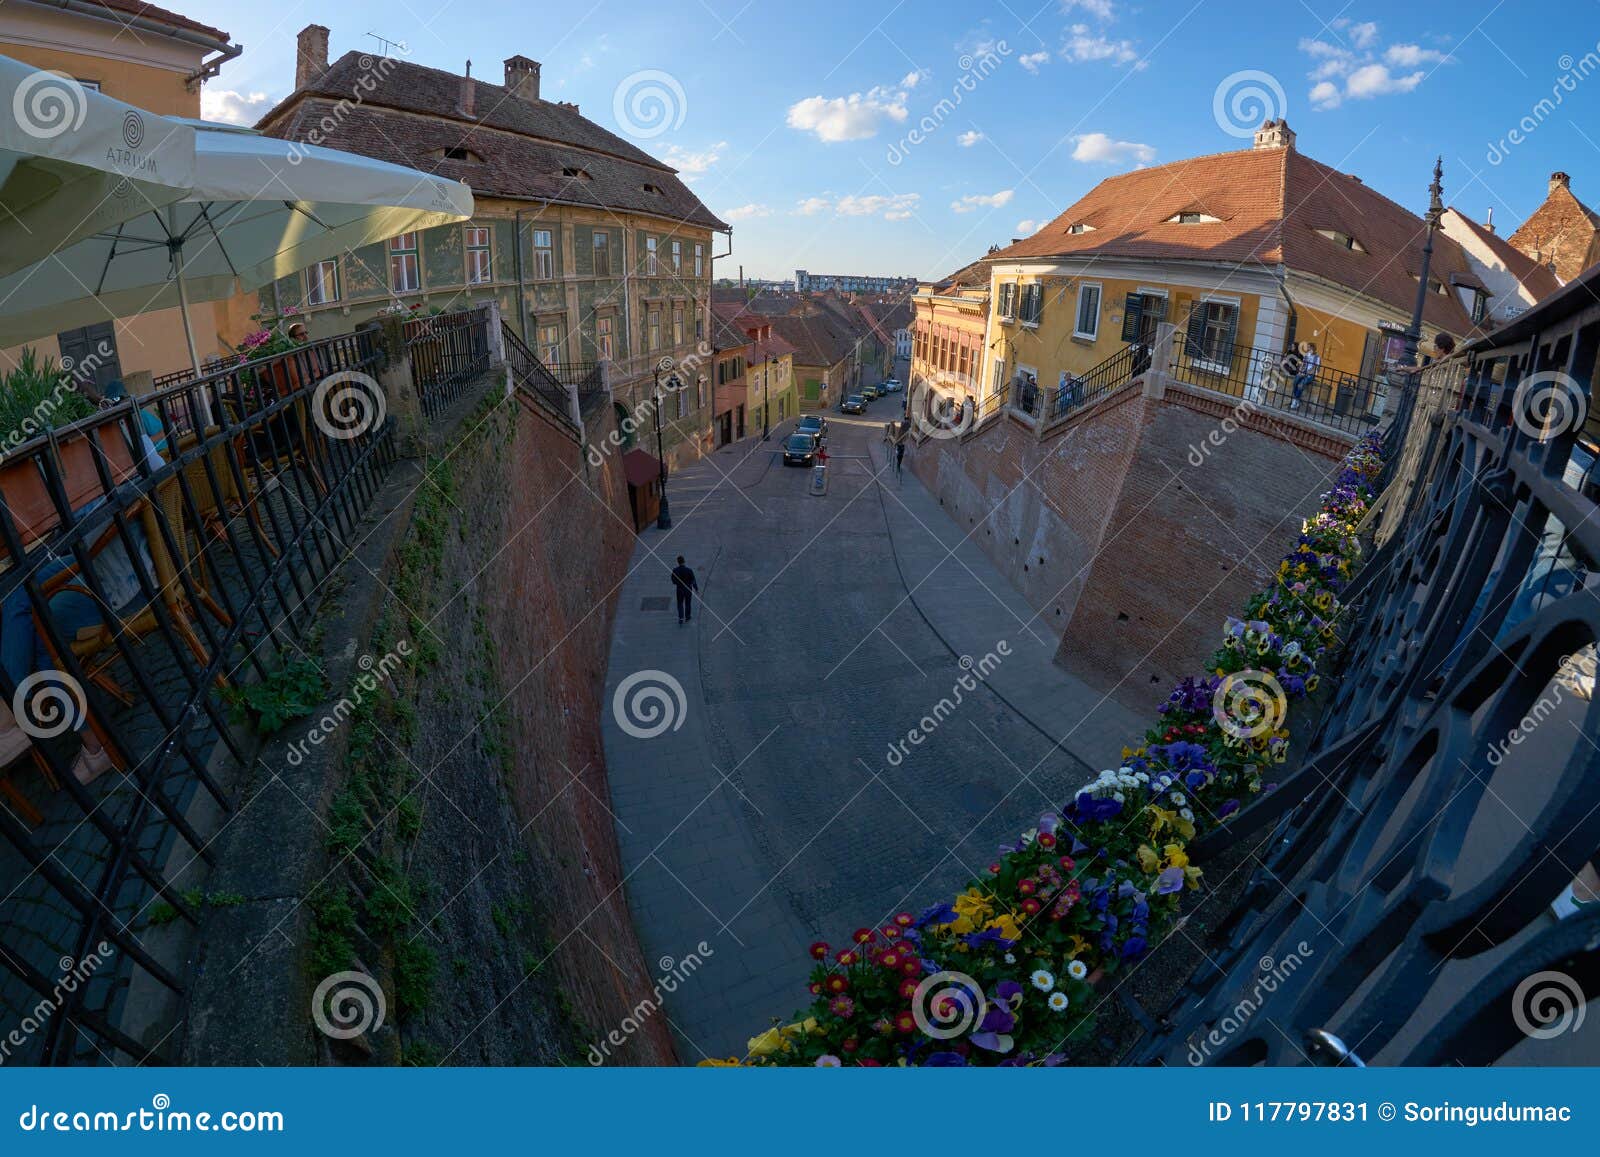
[
  {"x": 1192, "y": 217},
  {"x": 654, "y": 189},
  {"x": 458, "y": 153},
  {"x": 1080, "y": 227},
  {"x": 575, "y": 173},
  {"x": 1343, "y": 240}
]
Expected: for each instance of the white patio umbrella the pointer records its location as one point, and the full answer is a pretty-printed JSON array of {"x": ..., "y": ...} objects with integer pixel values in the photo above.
[
  {"x": 74, "y": 162},
  {"x": 261, "y": 209}
]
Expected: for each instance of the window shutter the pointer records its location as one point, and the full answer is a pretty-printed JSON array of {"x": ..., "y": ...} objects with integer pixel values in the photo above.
[
  {"x": 1132, "y": 310},
  {"x": 1226, "y": 356},
  {"x": 1195, "y": 339}
]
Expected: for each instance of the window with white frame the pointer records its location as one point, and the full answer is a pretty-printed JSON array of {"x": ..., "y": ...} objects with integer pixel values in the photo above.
[
  {"x": 699, "y": 260},
  {"x": 544, "y": 255},
  {"x": 602, "y": 337},
  {"x": 404, "y": 274},
  {"x": 677, "y": 325},
  {"x": 997, "y": 374},
  {"x": 1213, "y": 326},
  {"x": 677, "y": 257},
  {"x": 683, "y": 398},
  {"x": 480, "y": 264},
  {"x": 322, "y": 283},
  {"x": 1088, "y": 323},
  {"x": 650, "y": 267},
  {"x": 655, "y": 330},
  {"x": 602, "y": 253},
  {"x": 1008, "y": 300},
  {"x": 1031, "y": 307}
]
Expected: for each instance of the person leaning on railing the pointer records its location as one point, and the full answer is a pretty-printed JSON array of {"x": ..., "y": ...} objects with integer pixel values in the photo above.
[
  {"x": 23, "y": 650},
  {"x": 1310, "y": 363}
]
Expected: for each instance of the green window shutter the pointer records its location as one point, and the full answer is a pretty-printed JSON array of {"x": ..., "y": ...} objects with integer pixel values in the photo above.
[
  {"x": 1195, "y": 339},
  {"x": 1132, "y": 311},
  {"x": 1226, "y": 353}
]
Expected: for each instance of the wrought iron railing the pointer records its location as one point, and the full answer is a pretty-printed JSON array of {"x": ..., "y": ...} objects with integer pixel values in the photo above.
[
  {"x": 535, "y": 381},
  {"x": 1281, "y": 381},
  {"x": 1451, "y": 789},
  {"x": 447, "y": 352},
  {"x": 152, "y": 555},
  {"x": 1080, "y": 390}
]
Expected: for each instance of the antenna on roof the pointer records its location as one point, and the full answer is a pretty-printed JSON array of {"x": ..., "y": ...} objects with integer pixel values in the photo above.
[
  {"x": 385, "y": 45},
  {"x": 469, "y": 66}
]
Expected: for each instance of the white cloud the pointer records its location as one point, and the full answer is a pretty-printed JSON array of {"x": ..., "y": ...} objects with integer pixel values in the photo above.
[
  {"x": 969, "y": 138},
  {"x": 1364, "y": 71},
  {"x": 1411, "y": 55},
  {"x": 1029, "y": 227},
  {"x": 848, "y": 118},
  {"x": 896, "y": 207},
  {"x": 1325, "y": 95},
  {"x": 983, "y": 200},
  {"x": 748, "y": 212},
  {"x": 1082, "y": 44},
  {"x": 1376, "y": 80},
  {"x": 693, "y": 162},
  {"x": 1100, "y": 9},
  {"x": 234, "y": 108},
  {"x": 911, "y": 79},
  {"x": 1099, "y": 149},
  {"x": 1032, "y": 60}
]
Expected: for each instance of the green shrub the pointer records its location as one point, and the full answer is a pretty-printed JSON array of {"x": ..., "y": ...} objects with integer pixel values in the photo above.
[{"x": 35, "y": 397}]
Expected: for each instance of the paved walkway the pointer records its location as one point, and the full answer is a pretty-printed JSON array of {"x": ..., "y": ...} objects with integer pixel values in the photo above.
[{"x": 784, "y": 802}]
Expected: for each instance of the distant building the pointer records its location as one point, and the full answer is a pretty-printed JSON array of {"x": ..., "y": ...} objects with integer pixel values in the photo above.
[
  {"x": 1562, "y": 233},
  {"x": 594, "y": 250},
  {"x": 1514, "y": 280},
  {"x": 851, "y": 283},
  {"x": 948, "y": 333}
]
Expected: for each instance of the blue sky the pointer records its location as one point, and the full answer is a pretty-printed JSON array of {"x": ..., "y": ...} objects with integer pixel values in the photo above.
[{"x": 798, "y": 127}]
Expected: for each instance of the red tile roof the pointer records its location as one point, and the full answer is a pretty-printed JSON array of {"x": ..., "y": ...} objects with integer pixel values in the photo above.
[
  {"x": 1268, "y": 205},
  {"x": 641, "y": 467},
  {"x": 524, "y": 145},
  {"x": 151, "y": 12}
]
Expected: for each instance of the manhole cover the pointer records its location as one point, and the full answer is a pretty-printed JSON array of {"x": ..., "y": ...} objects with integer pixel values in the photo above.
[{"x": 655, "y": 603}]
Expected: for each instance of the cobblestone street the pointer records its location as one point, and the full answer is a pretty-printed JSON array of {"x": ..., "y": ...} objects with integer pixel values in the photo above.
[{"x": 773, "y": 813}]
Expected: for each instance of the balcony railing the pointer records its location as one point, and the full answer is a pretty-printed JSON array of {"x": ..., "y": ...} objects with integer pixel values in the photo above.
[
  {"x": 447, "y": 352},
  {"x": 1280, "y": 381},
  {"x": 536, "y": 381},
  {"x": 1078, "y": 391},
  {"x": 152, "y": 555}
]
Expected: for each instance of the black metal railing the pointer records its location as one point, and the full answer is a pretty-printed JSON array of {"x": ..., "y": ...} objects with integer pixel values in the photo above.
[
  {"x": 152, "y": 555},
  {"x": 1281, "y": 381},
  {"x": 535, "y": 381},
  {"x": 1080, "y": 390},
  {"x": 447, "y": 351},
  {"x": 1450, "y": 789},
  {"x": 585, "y": 376}
]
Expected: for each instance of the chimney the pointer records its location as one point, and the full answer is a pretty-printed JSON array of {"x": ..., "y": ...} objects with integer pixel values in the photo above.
[
  {"x": 1488, "y": 220},
  {"x": 469, "y": 92},
  {"x": 522, "y": 78},
  {"x": 310, "y": 55},
  {"x": 1274, "y": 134},
  {"x": 1559, "y": 181}
]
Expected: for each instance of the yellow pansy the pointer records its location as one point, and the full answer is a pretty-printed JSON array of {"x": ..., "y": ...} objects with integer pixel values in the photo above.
[
  {"x": 1007, "y": 925},
  {"x": 1176, "y": 856}
]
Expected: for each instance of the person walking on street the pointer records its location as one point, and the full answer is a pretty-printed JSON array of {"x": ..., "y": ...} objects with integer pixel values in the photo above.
[
  {"x": 899, "y": 455},
  {"x": 684, "y": 586}
]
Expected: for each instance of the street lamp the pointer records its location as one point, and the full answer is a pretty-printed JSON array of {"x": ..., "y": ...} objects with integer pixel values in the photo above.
[
  {"x": 1435, "y": 211},
  {"x": 663, "y": 516}
]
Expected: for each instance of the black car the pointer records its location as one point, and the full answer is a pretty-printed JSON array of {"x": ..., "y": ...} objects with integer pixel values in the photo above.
[
  {"x": 854, "y": 404},
  {"x": 800, "y": 450},
  {"x": 814, "y": 424}
]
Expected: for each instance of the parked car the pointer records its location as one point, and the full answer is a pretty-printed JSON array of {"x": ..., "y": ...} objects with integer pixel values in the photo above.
[
  {"x": 854, "y": 404},
  {"x": 892, "y": 386},
  {"x": 870, "y": 392},
  {"x": 814, "y": 424},
  {"x": 800, "y": 450}
]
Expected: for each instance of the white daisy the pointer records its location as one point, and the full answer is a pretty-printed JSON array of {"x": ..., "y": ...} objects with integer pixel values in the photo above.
[
  {"x": 1057, "y": 1001},
  {"x": 1010, "y": 958},
  {"x": 1187, "y": 814},
  {"x": 1077, "y": 970},
  {"x": 1178, "y": 798},
  {"x": 1042, "y": 980},
  {"x": 1117, "y": 795}
]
